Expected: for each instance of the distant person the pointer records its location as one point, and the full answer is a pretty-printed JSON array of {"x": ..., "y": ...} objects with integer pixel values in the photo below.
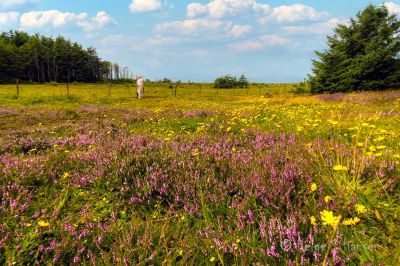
[{"x": 140, "y": 86}]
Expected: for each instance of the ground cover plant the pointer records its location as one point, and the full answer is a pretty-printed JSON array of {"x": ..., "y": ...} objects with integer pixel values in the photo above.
[{"x": 234, "y": 178}]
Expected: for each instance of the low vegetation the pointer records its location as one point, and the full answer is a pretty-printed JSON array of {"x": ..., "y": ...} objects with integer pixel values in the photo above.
[{"x": 198, "y": 178}]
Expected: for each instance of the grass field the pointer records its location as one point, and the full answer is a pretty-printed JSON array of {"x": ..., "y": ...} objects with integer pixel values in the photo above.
[{"x": 234, "y": 178}]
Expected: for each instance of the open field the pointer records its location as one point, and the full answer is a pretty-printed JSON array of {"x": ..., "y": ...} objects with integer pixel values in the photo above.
[{"x": 233, "y": 178}]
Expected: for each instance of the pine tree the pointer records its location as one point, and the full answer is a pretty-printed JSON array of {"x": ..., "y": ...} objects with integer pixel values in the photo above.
[
  {"x": 243, "y": 82},
  {"x": 363, "y": 55}
]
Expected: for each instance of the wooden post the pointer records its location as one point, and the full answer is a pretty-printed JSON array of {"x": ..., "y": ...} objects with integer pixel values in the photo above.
[
  {"x": 109, "y": 88},
  {"x": 68, "y": 85},
  {"x": 17, "y": 83},
  {"x": 176, "y": 86},
  {"x": 247, "y": 90}
]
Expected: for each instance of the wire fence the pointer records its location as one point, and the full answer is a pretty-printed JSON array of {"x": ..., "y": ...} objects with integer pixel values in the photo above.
[{"x": 101, "y": 92}]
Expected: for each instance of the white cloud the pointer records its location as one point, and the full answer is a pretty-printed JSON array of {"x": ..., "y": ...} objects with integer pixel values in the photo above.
[
  {"x": 194, "y": 26},
  {"x": 293, "y": 13},
  {"x": 144, "y": 5},
  {"x": 101, "y": 20},
  {"x": 204, "y": 27},
  {"x": 246, "y": 46},
  {"x": 392, "y": 7},
  {"x": 322, "y": 28},
  {"x": 196, "y": 9},
  {"x": 239, "y": 30},
  {"x": 260, "y": 43},
  {"x": 55, "y": 18},
  {"x": 264, "y": 8},
  {"x": 7, "y": 4},
  {"x": 8, "y": 17},
  {"x": 221, "y": 8}
]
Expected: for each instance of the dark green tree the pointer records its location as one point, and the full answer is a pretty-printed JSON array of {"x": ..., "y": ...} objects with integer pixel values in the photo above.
[
  {"x": 242, "y": 82},
  {"x": 363, "y": 55}
]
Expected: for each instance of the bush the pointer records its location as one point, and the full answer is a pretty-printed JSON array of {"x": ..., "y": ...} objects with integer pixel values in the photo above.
[
  {"x": 300, "y": 88},
  {"x": 229, "y": 82}
]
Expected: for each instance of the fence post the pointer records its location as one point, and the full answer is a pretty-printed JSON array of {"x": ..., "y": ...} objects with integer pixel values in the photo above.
[
  {"x": 109, "y": 88},
  {"x": 68, "y": 85},
  {"x": 17, "y": 83}
]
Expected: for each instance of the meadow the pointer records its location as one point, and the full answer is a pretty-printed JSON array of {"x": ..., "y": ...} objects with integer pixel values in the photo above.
[{"x": 255, "y": 176}]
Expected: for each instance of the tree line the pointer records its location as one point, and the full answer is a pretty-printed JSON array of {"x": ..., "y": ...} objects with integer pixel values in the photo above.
[{"x": 37, "y": 58}]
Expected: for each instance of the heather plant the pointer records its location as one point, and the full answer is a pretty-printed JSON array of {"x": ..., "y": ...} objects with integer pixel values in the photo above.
[{"x": 223, "y": 181}]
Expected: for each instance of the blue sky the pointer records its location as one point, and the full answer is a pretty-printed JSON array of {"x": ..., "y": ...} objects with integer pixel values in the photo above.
[{"x": 268, "y": 41}]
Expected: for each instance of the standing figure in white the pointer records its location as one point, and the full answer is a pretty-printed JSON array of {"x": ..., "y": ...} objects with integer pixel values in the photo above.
[{"x": 140, "y": 86}]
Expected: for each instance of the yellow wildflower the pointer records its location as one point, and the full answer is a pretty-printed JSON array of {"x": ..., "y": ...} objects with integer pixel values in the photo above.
[
  {"x": 313, "y": 187},
  {"x": 351, "y": 221},
  {"x": 327, "y": 199},
  {"x": 340, "y": 168},
  {"x": 43, "y": 224},
  {"x": 361, "y": 208},
  {"x": 66, "y": 175},
  {"x": 328, "y": 218},
  {"x": 212, "y": 259},
  {"x": 372, "y": 148},
  {"x": 313, "y": 221}
]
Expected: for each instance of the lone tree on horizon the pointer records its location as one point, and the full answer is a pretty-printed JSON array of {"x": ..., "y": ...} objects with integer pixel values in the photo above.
[{"x": 363, "y": 55}]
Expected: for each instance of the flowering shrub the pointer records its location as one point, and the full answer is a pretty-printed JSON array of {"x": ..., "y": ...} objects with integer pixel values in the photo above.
[{"x": 269, "y": 181}]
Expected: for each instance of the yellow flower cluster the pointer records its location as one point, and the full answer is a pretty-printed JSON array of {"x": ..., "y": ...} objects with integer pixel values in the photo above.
[
  {"x": 360, "y": 208},
  {"x": 340, "y": 168},
  {"x": 351, "y": 221},
  {"x": 328, "y": 218}
]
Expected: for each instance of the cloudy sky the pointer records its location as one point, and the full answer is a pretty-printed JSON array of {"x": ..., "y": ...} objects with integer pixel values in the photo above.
[{"x": 267, "y": 40}]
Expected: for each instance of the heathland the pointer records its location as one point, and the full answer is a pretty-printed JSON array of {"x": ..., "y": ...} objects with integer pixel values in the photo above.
[{"x": 198, "y": 176}]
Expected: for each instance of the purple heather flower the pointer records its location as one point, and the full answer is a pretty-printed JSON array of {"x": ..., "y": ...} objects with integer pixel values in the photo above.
[
  {"x": 76, "y": 259},
  {"x": 251, "y": 215}
]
